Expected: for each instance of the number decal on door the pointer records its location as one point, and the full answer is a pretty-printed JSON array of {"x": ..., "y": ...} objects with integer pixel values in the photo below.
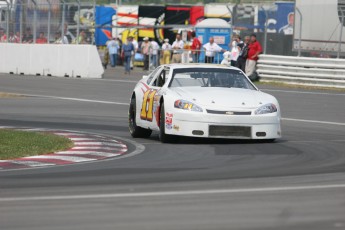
[{"x": 147, "y": 106}]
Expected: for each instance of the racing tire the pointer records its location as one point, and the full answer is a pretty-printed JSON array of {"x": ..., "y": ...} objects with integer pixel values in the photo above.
[
  {"x": 164, "y": 138},
  {"x": 136, "y": 131}
]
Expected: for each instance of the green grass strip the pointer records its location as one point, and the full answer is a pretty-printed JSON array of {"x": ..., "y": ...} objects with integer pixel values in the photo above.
[{"x": 15, "y": 143}]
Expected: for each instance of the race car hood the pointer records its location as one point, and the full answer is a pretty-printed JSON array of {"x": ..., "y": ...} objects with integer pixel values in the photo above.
[{"x": 224, "y": 98}]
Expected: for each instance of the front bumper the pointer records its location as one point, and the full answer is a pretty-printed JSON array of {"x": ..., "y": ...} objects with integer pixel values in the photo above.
[{"x": 194, "y": 124}]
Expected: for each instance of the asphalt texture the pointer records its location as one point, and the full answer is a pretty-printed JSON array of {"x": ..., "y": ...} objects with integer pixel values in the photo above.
[{"x": 297, "y": 182}]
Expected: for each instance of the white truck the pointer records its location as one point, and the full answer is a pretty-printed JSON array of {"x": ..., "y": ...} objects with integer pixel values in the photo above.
[{"x": 319, "y": 26}]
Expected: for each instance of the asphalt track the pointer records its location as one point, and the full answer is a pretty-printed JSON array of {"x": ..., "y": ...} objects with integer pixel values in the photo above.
[{"x": 296, "y": 183}]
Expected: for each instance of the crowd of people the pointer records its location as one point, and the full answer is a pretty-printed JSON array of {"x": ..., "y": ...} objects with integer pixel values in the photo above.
[
  {"x": 28, "y": 38},
  {"x": 242, "y": 54}
]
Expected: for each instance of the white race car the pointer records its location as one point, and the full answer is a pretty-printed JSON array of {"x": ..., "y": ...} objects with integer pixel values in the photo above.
[{"x": 202, "y": 100}]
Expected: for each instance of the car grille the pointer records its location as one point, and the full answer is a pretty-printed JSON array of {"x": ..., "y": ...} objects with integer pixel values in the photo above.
[
  {"x": 230, "y": 131},
  {"x": 229, "y": 112}
]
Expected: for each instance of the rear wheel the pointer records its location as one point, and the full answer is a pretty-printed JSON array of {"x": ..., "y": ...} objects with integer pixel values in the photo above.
[
  {"x": 165, "y": 138},
  {"x": 135, "y": 130}
]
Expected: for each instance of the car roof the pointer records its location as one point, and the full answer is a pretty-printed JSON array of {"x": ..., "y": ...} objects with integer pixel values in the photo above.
[{"x": 199, "y": 65}]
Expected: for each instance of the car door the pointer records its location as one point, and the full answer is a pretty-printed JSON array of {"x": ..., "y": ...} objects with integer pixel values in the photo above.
[{"x": 149, "y": 111}]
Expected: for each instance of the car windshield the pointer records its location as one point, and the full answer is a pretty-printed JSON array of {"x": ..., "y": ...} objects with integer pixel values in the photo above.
[{"x": 210, "y": 77}]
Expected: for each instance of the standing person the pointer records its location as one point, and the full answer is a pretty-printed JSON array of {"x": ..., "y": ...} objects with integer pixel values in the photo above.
[
  {"x": 81, "y": 38},
  {"x": 113, "y": 49},
  {"x": 127, "y": 50},
  {"x": 154, "y": 53},
  {"x": 136, "y": 47},
  {"x": 253, "y": 55},
  {"x": 59, "y": 39},
  {"x": 27, "y": 37},
  {"x": 3, "y": 37},
  {"x": 12, "y": 38},
  {"x": 41, "y": 39},
  {"x": 145, "y": 50},
  {"x": 196, "y": 46},
  {"x": 211, "y": 48},
  {"x": 242, "y": 58},
  {"x": 235, "y": 49},
  {"x": 166, "y": 52},
  {"x": 177, "y": 47}
]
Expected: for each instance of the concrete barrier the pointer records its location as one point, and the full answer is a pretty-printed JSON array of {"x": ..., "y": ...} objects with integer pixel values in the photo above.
[
  {"x": 301, "y": 70},
  {"x": 51, "y": 60}
]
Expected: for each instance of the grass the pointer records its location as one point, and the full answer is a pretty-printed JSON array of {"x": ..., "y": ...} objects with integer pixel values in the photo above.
[
  {"x": 15, "y": 144},
  {"x": 297, "y": 86}
]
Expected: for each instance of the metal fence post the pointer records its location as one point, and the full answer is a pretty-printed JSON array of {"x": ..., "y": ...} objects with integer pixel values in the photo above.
[
  {"x": 21, "y": 23},
  {"x": 300, "y": 31},
  {"x": 7, "y": 21},
  {"x": 63, "y": 21},
  {"x": 265, "y": 32},
  {"x": 35, "y": 21},
  {"x": 341, "y": 33},
  {"x": 49, "y": 20},
  {"x": 78, "y": 22}
]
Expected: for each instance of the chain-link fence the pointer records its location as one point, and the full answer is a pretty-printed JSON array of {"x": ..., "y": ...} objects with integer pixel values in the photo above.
[{"x": 47, "y": 21}]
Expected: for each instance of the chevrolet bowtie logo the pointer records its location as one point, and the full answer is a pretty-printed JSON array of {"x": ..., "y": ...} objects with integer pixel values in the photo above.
[{"x": 229, "y": 113}]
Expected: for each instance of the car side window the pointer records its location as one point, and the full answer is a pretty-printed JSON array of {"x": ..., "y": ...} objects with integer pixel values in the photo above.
[
  {"x": 161, "y": 78},
  {"x": 152, "y": 75}
]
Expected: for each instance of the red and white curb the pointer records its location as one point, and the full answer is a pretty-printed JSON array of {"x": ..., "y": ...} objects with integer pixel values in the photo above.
[{"x": 87, "y": 147}]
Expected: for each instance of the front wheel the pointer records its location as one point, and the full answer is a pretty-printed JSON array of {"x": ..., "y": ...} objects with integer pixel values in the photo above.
[
  {"x": 136, "y": 131},
  {"x": 165, "y": 138}
]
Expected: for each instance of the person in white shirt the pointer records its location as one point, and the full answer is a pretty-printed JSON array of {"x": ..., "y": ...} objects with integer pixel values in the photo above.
[
  {"x": 235, "y": 49},
  {"x": 59, "y": 39},
  {"x": 154, "y": 53},
  {"x": 166, "y": 52},
  {"x": 211, "y": 48},
  {"x": 177, "y": 48},
  {"x": 136, "y": 46}
]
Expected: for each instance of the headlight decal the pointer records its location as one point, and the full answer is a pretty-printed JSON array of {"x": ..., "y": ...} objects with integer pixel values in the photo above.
[
  {"x": 265, "y": 109},
  {"x": 187, "y": 105}
]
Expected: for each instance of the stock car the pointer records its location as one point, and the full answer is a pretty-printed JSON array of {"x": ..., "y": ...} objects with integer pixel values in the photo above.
[{"x": 202, "y": 100}]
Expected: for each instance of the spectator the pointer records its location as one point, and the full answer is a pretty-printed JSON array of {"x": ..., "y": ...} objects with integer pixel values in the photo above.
[
  {"x": 177, "y": 47},
  {"x": 196, "y": 46},
  {"x": 235, "y": 50},
  {"x": 17, "y": 37},
  {"x": 253, "y": 55},
  {"x": 166, "y": 52},
  {"x": 154, "y": 53},
  {"x": 81, "y": 39},
  {"x": 145, "y": 51},
  {"x": 136, "y": 47},
  {"x": 27, "y": 37},
  {"x": 127, "y": 50},
  {"x": 59, "y": 39},
  {"x": 211, "y": 49},
  {"x": 113, "y": 48},
  {"x": 3, "y": 37},
  {"x": 41, "y": 39},
  {"x": 12, "y": 38},
  {"x": 241, "y": 61}
]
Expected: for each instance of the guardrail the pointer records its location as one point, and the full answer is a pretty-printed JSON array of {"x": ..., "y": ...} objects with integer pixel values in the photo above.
[{"x": 301, "y": 70}]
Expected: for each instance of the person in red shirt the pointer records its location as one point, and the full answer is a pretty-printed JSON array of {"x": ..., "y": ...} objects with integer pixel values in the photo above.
[
  {"x": 253, "y": 55},
  {"x": 195, "y": 47},
  {"x": 41, "y": 39}
]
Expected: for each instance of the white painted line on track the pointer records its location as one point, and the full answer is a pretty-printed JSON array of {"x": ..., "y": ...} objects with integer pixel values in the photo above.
[
  {"x": 176, "y": 193},
  {"x": 95, "y": 148},
  {"x": 31, "y": 163},
  {"x": 302, "y": 92},
  {"x": 107, "y": 144},
  {"x": 313, "y": 121},
  {"x": 96, "y": 153},
  {"x": 76, "y": 99},
  {"x": 64, "y": 158}
]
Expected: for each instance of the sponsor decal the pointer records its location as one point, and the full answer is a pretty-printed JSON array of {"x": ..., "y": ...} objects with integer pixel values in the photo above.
[
  {"x": 176, "y": 127},
  {"x": 168, "y": 120},
  {"x": 147, "y": 106}
]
